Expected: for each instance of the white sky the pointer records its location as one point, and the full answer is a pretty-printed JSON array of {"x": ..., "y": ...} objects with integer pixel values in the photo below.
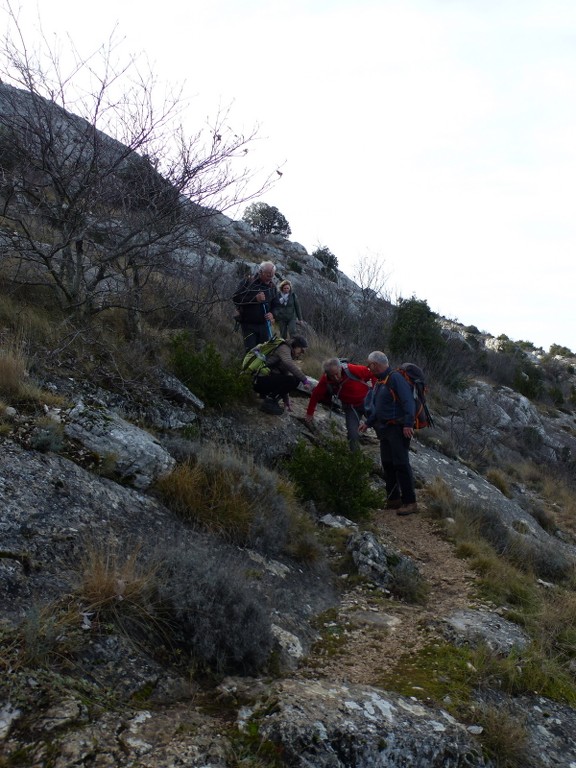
[{"x": 438, "y": 136}]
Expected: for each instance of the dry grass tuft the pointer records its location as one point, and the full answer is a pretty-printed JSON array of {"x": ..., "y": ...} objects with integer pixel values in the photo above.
[
  {"x": 554, "y": 626},
  {"x": 440, "y": 499},
  {"x": 27, "y": 320},
  {"x": 249, "y": 505},
  {"x": 499, "y": 480},
  {"x": 13, "y": 373},
  {"x": 504, "y": 736},
  {"x": 211, "y": 499},
  {"x": 121, "y": 587},
  {"x": 109, "y": 577}
]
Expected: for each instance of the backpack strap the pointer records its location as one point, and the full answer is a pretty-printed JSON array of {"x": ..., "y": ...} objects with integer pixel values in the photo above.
[
  {"x": 350, "y": 375},
  {"x": 277, "y": 344},
  {"x": 386, "y": 382}
]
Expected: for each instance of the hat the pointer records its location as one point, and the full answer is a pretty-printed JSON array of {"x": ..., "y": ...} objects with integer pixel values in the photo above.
[{"x": 298, "y": 341}]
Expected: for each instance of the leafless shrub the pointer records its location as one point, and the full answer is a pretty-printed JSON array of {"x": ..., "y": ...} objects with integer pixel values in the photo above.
[{"x": 213, "y": 612}]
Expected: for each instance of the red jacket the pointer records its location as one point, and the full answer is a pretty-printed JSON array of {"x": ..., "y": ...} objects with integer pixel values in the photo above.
[{"x": 349, "y": 391}]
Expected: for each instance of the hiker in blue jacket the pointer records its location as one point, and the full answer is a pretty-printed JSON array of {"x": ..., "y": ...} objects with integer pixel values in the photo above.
[
  {"x": 256, "y": 299},
  {"x": 390, "y": 410}
]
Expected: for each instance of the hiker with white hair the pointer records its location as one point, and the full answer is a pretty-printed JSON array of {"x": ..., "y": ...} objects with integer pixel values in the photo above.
[
  {"x": 349, "y": 383},
  {"x": 255, "y": 299},
  {"x": 390, "y": 410}
]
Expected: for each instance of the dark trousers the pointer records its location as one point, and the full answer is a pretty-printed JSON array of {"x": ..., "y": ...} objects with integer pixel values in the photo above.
[
  {"x": 275, "y": 385},
  {"x": 287, "y": 328},
  {"x": 353, "y": 414},
  {"x": 395, "y": 457},
  {"x": 254, "y": 333}
]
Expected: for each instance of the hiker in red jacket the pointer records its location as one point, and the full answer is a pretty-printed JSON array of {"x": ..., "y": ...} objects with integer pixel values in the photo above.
[{"x": 349, "y": 383}]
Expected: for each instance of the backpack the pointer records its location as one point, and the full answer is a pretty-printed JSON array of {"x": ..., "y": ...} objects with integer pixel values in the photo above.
[
  {"x": 255, "y": 360},
  {"x": 415, "y": 378}
]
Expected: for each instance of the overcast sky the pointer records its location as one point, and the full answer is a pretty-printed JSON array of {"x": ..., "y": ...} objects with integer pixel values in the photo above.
[{"x": 438, "y": 136}]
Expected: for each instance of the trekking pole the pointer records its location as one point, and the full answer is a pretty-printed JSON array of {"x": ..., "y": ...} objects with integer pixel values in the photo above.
[{"x": 268, "y": 323}]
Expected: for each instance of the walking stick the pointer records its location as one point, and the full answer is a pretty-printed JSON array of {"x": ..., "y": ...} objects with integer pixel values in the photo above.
[{"x": 268, "y": 323}]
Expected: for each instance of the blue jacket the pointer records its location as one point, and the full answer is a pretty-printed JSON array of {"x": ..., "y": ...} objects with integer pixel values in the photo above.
[{"x": 390, "y": 399}]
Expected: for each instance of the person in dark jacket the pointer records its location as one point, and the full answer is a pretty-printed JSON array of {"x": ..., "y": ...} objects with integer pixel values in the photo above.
[
  {"x": 255, "y": 300},
  {"x": 284, "y": 376},
  {"x": 390, "y": 409},
  {"x": 287, "y": 313},
  {"x": 349, "y": 383}
]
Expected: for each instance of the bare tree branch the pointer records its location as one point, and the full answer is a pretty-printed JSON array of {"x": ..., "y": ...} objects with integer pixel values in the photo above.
[{"x": 100, "y": 185}]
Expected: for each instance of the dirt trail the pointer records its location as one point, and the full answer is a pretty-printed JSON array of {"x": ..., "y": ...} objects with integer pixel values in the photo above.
[{"x": 379, "y": 631}]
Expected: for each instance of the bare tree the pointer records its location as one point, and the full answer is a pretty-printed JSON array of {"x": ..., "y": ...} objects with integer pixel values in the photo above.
[
  {"x": 368, "y": 273},
  {"x": 100, "y": 186}
]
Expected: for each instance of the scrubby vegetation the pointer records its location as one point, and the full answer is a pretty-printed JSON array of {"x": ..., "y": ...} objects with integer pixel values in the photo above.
[
  {"x": 335, "y": 479},
  {"x": 248, "y": 505},
  {"x": 207, "y": 373}
]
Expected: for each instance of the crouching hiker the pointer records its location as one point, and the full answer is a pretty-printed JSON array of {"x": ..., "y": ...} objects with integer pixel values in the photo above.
[
  {"x": 348, "y": 383},
  {"x": 281, "y": 375},
  {"x": 390, "y": 409}
]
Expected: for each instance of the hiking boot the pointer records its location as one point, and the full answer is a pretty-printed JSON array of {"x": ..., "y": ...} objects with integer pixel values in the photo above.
[
  {"x": 393, "y": 503},
  {"x": 407, "y": 509},
  {"x": 272, "y": 406}
]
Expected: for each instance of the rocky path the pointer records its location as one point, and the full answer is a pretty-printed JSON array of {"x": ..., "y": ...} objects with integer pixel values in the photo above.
[{"x": 370, "y": 633}]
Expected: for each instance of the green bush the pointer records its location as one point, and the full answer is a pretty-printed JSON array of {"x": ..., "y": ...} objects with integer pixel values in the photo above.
[
  {"x": 330, "y": 268},
  {"x": 266, "y": 220},
  {"x": 556, "y": 395},
  {"x": 295, "y": 266},
  {"x": 558, "y": 349},
  {"x": 206, "y": 374},
  {"x": 223, "y": 244},
  {"x": 530, "y": 438},
  {"x": 335, "y": 478},
  {"x": 415, "y": 330},
  {"x": 528, "y": 379}
]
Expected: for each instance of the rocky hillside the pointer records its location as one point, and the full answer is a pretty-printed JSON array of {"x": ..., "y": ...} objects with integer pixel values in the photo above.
[
  {"x": 168, "y": 598},
  {"x": 95, "y": 694}
]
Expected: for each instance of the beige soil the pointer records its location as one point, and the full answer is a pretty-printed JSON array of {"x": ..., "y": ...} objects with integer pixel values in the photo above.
[{"x": 380, "y": 630}]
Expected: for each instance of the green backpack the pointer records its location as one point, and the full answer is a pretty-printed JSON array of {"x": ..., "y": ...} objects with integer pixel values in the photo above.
[{"x": 255, "y": 361}]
